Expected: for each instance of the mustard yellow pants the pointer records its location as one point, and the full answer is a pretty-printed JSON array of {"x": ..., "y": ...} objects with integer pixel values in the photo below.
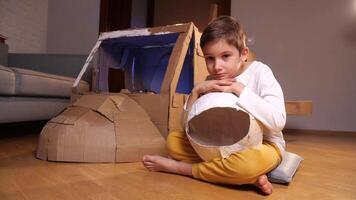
[{"x": 239, "y": 168}]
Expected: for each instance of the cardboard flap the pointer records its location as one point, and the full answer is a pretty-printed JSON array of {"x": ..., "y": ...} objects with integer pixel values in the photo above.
[
  {"x": 118, "y": 99},
  {"x": 91, "y": 101},
  {"x": 100, "y": 103},
  {"x": 69, "y": 116},
  {"x": 128, "y": 108}
]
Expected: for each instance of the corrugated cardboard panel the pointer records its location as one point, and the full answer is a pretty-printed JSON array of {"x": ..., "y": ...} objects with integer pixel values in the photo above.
[
  {"x": 81, "y": 134},
  {"x": 176, "y": 60},
  {"x": 136, "y": 135},
  {"x": 63, "y": 144},
  {"x": 176, "y": 112},
  {"x": 118, "y": 99},
  {"x": 169, "y": 28},
  {"x": 74, "y": 96},
  {"x": 101, "y": 103},
  {"x": 42, "y": 147},
  {"x": 156, "y": 106},
  {"x": 52, "y": 136},
  {"x": 100, "y": 144},
  {"x": 69, "y": 115},
  {"x": 176, "y": 115},
  {"x": 92, "y": 101},
  {"x": 129, "y": 107},
  {"x": 175, "y": 122},
  {"x": 200, "y": 70},
  {"x": 90, "y": 139},
  {"x": 108, "y": 109}
]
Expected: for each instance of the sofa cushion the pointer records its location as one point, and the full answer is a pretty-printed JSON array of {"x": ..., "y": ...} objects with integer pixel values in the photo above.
[
  {"x": 33, "y": 83},
  {"x": 19, "y": 109},
  {"x": 7, "y": 81}
]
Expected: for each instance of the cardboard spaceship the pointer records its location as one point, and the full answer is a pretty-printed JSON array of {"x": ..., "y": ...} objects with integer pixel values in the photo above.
[{"x": 161, "y": 66}]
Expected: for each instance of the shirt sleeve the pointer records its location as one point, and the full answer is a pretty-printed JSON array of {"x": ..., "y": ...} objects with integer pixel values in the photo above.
[{"x": 268, "y": 106}]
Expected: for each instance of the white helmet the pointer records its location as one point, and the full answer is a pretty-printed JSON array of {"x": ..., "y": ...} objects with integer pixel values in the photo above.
[{"x": 217, "y": 126}]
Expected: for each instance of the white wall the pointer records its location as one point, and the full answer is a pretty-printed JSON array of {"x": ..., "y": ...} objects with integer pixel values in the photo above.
[
  {"x": 55, "y": 26},
  {"x": 73, "y": 26},
  {"x": 311, "y": 47},
  {"x": 25, "y": 25}
]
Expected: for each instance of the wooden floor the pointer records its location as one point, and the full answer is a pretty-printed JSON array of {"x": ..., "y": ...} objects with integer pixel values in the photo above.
[{"x": 328, "y": 172}]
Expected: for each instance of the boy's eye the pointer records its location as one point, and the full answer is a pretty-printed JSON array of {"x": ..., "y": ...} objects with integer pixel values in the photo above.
[
  {"x": 226, "y": 55},
  {"x": 209, "y": 58}
]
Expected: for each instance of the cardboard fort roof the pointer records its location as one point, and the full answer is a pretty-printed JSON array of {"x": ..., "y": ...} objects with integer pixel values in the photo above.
[{"x": 161, "y": 66}]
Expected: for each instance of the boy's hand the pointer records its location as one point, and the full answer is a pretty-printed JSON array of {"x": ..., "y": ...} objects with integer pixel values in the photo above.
[
  {"x": 236, "y": 88},
  {"x": 225, "y": 85},
  {"x": 214, "y": 86}
]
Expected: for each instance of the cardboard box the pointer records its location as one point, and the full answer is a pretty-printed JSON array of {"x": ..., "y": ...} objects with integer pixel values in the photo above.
[{"x": 161, "y": 66}]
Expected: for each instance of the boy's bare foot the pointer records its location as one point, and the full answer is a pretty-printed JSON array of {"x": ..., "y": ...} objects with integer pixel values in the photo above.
[
  {"x": 263, "y": 183},
  {"x": 159, "y": 163}
]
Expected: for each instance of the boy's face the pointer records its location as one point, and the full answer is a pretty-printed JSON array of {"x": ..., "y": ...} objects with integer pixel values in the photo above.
[{"x": 222, "y": 59}]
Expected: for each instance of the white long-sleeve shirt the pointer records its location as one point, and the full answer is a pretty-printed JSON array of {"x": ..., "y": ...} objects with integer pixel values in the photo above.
[{"x": 263, "y": 99}]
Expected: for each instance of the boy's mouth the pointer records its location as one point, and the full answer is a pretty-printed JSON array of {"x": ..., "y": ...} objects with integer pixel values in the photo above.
[{"x": 219, "y": 76}]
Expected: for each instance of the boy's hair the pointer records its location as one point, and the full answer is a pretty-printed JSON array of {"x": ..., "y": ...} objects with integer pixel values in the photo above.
[{"x": 225, "y": 27}]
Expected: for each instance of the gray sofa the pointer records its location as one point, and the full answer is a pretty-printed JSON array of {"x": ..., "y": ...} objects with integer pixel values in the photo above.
[
  {"x": 30, "y": 91},
  {"x": 28, "y": 95}
]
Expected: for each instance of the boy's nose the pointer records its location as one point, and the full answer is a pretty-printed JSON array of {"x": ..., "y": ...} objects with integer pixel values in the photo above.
[{"x": 217, "y": 65}]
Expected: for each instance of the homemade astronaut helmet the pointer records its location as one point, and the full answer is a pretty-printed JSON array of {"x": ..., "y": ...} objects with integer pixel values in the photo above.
[{"x": 217, "y": 126}]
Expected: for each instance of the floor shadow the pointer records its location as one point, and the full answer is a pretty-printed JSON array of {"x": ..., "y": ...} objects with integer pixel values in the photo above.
[{"x": 18, "y": 129}]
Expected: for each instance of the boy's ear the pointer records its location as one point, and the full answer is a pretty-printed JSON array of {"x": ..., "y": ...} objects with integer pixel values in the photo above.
[{"x": 244, "y": 54}]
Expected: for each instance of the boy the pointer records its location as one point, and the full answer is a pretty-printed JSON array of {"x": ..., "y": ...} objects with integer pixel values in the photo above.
[{"x": 259, "y": 93}]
